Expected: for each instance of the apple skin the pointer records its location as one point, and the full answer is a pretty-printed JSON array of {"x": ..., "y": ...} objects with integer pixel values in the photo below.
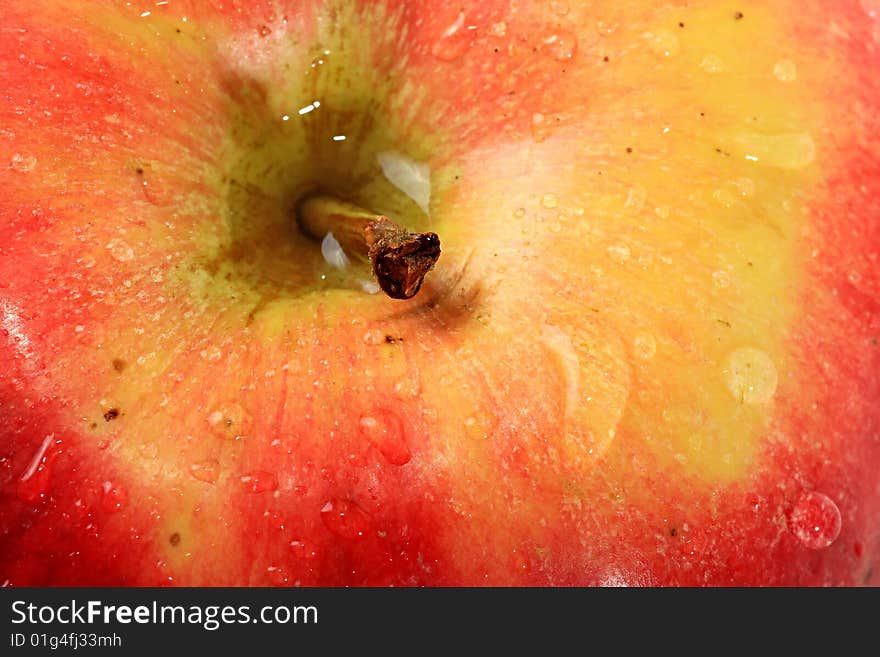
[{"x": 648, "y": 355}]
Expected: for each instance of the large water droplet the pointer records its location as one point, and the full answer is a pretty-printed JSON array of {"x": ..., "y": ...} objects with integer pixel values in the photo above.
[
  {"x": 207, "y": 470},
  {"x": 333, "y": 253},
  {"x": 259, "y": 481},
  {"x": 815, "y": 520},
  {"x": 34, "y": 482},
  {"x": 346, "y": 519},
  {"x": 562, "y": 347},
  {"x": 751, "y": 375},
  {"x": 454, "y": 42},
  {"x": 409, "y": 176},
  {"x": 384, "y": 429}
]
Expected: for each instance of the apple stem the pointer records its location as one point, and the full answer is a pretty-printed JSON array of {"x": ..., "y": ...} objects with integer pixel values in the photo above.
[{"x": 400, "y": 259}]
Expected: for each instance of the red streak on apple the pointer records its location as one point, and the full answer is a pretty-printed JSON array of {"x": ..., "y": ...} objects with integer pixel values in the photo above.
[{"x": 649, "y": 354}]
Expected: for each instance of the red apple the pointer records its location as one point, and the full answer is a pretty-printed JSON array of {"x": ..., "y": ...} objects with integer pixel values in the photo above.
[{"x": 647, "y": 355}]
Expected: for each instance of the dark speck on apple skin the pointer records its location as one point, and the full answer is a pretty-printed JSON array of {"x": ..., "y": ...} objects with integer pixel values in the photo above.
[{"x": 111, "y": 414}]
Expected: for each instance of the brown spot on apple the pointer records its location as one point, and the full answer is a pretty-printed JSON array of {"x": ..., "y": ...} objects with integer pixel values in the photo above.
[
  {"x": 111, "y": 414},
  {"x": 118, "y": 364},
  {"x": 174, "y": 539}
]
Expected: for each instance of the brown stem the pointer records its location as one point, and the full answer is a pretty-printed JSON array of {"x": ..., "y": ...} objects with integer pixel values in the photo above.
[{"x": 400, "y": 259}]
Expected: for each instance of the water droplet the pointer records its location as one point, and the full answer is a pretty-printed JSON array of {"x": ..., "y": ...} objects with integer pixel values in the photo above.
[
  {"x": 120, "y": 250},
  {"x": 712, "y": 64},
  {"x": 346, "y": 519},
  {"x": 540, "y": 127},
  {"x": 113, "y": 497},
  {"x": 519, "y": 213},
  {"x": 785, "y": 70},
  {"x": 409, "y": 387},
  {"x": 259, "y": 481},
  {"x": 374, "y": 337},
  {"x": 561, "y": 45},
  {"x": 549, "y": 201},
  {"x": 619, "y": 253},
  {"x": 723, "y": 197},
  {"x": 815, "y": 520},
  {"x": 332, "y": 251},
  {"x": 788, "y": 150},
  {"x": 369, "y": 287},
  {"x": 454, "y": 42},
  {"x": 411, "y": 177},
  {"x": 304, "y": 549},
  {"x": 23, "y": 163},
  {"x": 277, "y": 576},
  {"x": 478, "y": 426},
  {"x": 384, "y": 429},
  {"x": 721, "y": 278},
  {"x": 34, "y": 482},
  {"x": 207, "y": 470},
  {"x": 498, "y": 29},
  {"x": 614, "y": 579},
  {"x": 226, "y": 422},
  {"x": 559, "y": 7},
  {"x": 635, "y": 199},
  {"x": 645, "y": 346},
  {"x": 662, "y": 42},
  {"x": 751, "y": 375},
  {"x": 745, "y": 186}
]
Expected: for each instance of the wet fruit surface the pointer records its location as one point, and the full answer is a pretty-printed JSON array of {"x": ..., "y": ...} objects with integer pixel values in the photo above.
[{"x": 649, "y": 353}]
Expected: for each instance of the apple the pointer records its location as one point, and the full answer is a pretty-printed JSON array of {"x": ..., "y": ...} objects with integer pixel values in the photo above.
[{"x": 648, "y": 354}]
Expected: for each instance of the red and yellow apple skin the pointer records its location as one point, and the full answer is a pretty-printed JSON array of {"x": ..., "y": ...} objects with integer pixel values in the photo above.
[{"x": 649, "y": 354}]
